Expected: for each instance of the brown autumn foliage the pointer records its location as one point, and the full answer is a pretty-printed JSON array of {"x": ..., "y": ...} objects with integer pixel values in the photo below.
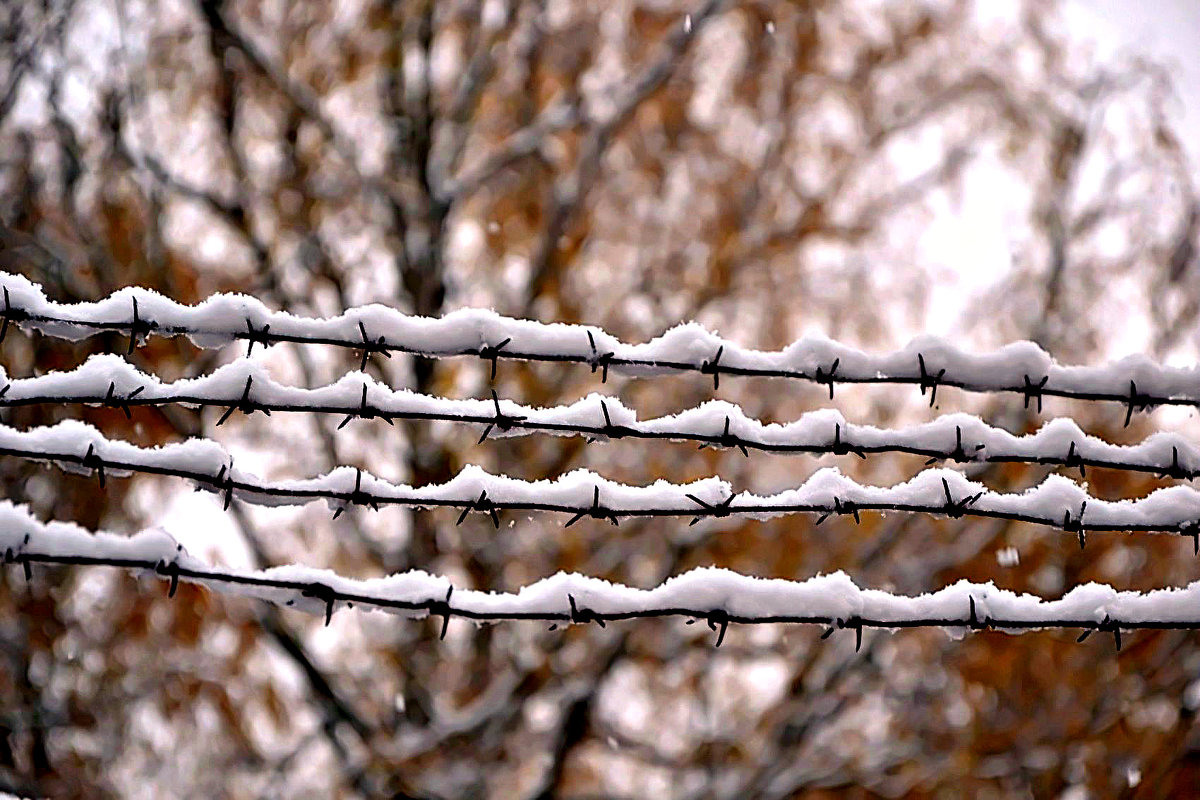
[{"x": 765, "y": 167}]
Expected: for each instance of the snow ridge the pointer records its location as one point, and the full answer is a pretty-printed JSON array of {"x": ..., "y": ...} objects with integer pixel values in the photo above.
[
  {"x": 719, "y": 596},
  {"x": 929, "y": 363},
  {"x": 1057, "y": 502},
  {"x": 962, "y": 438}
]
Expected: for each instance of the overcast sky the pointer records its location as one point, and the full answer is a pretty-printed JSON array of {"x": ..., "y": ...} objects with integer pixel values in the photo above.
[{"x": 1167, "y": 31}]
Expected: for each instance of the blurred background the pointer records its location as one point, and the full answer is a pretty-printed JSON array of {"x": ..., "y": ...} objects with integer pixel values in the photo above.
[{"x": 867, "y": 170}]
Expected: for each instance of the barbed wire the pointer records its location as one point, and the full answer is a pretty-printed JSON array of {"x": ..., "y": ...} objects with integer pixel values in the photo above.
[
  {"x": 239, "y": 387},
  {"x": 718, "y": 620},
  {"x": 1023, "y": 369},
  {"x": 826, "y": 494},
  {"x": 831, "y": 601}
]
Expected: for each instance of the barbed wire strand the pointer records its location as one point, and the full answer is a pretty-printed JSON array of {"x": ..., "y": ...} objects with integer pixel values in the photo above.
[
  {"x": 961, "y": 501},
  {"x": 1046, "y": 380},
  {"x": 1079, "y": 451},
  {"x": 324, "y": 597}
]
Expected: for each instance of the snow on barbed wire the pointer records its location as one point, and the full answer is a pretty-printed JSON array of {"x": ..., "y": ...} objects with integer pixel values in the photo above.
[
  {"x": 1057, "y": 502},
  {"x": 245, "y": 384},
  {"x": 927, "y": 362},
  {"x": 717, "y": 595}
]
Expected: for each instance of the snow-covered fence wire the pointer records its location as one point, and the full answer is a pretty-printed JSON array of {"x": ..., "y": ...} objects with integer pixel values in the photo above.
[
  {"x": 1057, "y": 502},
  {"x": 719, "y": 597},
  {"x": 928, "y": 363},
  {"x": 245, "y": 386}
]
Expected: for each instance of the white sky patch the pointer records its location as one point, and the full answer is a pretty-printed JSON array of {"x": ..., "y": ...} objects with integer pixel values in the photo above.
[
  {"x": 194, "y": 519},
  {"x": 1167, "y": 31},
  {"x": 967, "y": 240}
]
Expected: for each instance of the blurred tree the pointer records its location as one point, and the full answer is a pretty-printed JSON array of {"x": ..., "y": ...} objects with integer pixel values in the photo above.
[{"x": 765, "y": 167}]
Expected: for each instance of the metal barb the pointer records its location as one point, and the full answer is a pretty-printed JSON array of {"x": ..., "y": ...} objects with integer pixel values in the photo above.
[
  {"x": 1033, "y": 391},
  {"x": 11, "y": 315},
  {"x": 827, "y": 377},
  {"x": 501, "y": 420},
  {"x": 856, "y": 624},
  {"x": 713, "y": 367},
  {"x": 975, "y": 622},
  {"x": 171, "y": 571},
  {"x": 1107, "y": 624},
  {"x": 1175, "y": 470},
  {"x": 596, "y": 511},
  {"x": 599, "y": 360},
  {"x": 365, "y": 412},
  {"x": 610, "y": 431},
  {"x": 722, "y": 509},
  {"x": 847, "y": 507},
  {"x": 324, "y": 593},
  {"x": 139, "y": 329},
  {"x": 95, "y": 462},
  {"x": 727, "y": 440},
  {"x": 492, "y": 353},
  {"x": 718, "y": 618},
  {"x": 244, "y": 404},
  {"x": 111, "y": 401},
  {"x": 956, "y": 508},
  {"x": 368, "y": 347},
  {"x": 259, "y": 336},
  {"x": 357, "y": 496},
  {"x": 442, "y": 608},
  {"x": 484, "y": 506},
  {"x": 10, "y": 557},
  {"x": 840, "y": 448},
  {"x": 583, "y": 615},
  {"x": 1073, "y": 460},
  {"x": 1076, "y": 525},
  {"x": 959, "y": 454},
  {"x": 928, "y": 381},
  {"x": 223, "y": 483},
  {"x": 1136, "y": 401}
]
